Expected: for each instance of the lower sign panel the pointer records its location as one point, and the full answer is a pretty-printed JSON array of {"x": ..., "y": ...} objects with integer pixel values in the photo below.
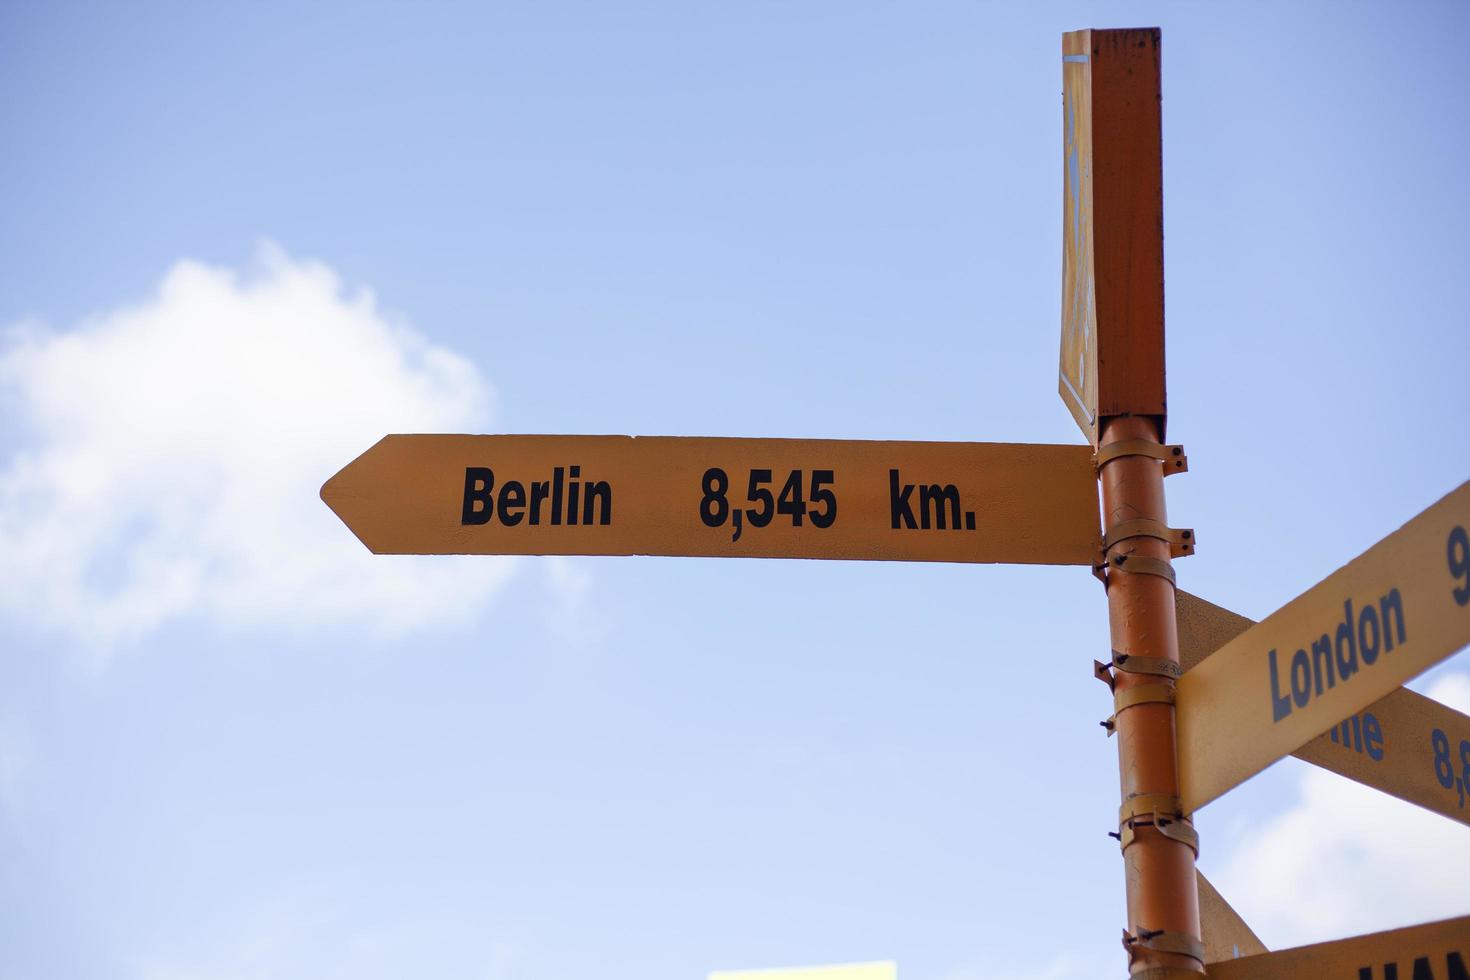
[
  {"x": 754, "y": 498},
  {"x": 1436, "y": 951}
]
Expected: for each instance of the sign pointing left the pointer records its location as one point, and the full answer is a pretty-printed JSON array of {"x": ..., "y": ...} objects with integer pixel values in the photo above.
[{"x": 754, "y": 498}]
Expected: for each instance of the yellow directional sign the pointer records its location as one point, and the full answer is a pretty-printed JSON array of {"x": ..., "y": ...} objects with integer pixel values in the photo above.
[
  {"x": 1389, "y": 614},
  {"x": 1403, "y": 744},
  {"x": 756, "y": 498},
  {"x": 1434, "y": 951},
  {"x": 1224, "y": 932}
]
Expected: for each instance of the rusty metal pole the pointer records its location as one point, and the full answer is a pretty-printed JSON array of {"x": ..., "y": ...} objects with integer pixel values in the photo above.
[{"x": 1159, "y": 847}]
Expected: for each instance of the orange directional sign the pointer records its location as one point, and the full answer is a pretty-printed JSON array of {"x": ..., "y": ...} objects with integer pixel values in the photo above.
[
  {"x": 1403, "y": 744},
  {"x": 1434, "y": 951},
  {"x": 756, "y": 498},
  {"x": 1394, "y": 611},
  {"x": 1112, "y": 227}
]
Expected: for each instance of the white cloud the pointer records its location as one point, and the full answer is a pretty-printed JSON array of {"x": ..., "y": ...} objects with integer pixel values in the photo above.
[
  {"x": 167, "y": 457},
  {"x": 1452, "y": 690},
  {"x": 1347, "y": 859}
]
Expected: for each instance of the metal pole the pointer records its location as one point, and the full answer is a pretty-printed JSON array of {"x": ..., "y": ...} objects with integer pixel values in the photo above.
[{"x": 1163, "y": 932}]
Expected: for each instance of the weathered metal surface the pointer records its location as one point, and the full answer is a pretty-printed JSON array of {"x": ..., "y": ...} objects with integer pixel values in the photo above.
[{"x": 1112, "y": 350}]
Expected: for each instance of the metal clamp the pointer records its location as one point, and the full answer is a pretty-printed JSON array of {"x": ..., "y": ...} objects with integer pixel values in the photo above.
[
  {"x": 1137, "y": 565},
  {"x": 1131, "y": 663},
  {"x": 1138, "y": 694},
  {"x": 1179, "y": 831},
  {"x": 1172, "y": 457},
  {"x": 1163, "y": 941},
  {"x": 1180, "y": 540},
  {"x": 1162, "y": 812},
  {"x": 1150, "y": 805}
]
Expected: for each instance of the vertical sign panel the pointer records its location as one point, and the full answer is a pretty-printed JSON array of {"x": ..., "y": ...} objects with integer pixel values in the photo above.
[{"x": 1112, "y": 352}]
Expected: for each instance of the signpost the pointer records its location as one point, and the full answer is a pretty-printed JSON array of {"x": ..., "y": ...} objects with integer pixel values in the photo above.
[
  {"x": 1391, "y": 613},
  {"x": 729, "y": 498},
  {"x": 1403, "y": 744},
  {"x": 1434, "y": 951},
  {"x": 1252, "y": 692}
]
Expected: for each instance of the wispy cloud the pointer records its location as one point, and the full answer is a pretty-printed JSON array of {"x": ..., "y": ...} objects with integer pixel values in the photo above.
[{"x": 165, "y": 458}]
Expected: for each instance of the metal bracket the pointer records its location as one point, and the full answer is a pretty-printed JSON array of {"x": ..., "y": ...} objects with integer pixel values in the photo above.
[
  {"x": 1138, "y": 694},
  {"x": 1180, "y": 540},
  {"x": 1172, "y": 457},
  {"x": 1179, "y": 831},
  {"x": 1137, "y": 565},
  {"x": 1158, "y": 810},
  {"x": 1149, "y": 805},
  {"x": 1131, "y": 663},
  {"x": 1162, "y": 941}
]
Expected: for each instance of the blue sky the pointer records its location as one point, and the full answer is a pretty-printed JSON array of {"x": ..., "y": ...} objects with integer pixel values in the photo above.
[{"x": 243, "y": 242}]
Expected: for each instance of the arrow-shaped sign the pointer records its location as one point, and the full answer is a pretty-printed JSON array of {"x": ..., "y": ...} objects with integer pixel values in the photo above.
[
  {"x": 1389, "y": 614},
  {"x": 753, "y": 498},
  {"x": 1434, "y": 951},
  {"x": 1403, "y": 744}
]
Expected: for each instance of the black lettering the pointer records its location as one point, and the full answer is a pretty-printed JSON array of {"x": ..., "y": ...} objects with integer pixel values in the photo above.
[
  {"x": 1347, "y": 666},
  {"x": 969, "y": 520},
  {"x": 1455, "y": 966},
  {"x": 1301, "y": 667},
  {"x": 1357, "y": 733},
  {"x": 1422, "y": 969},
  {"x": 556, "y": 487},
  {"x": 1392, "y": 603},
  {"x": 1280, "y": 704},
  {"x": 1373, "y": 736},
  {"x": 572, "y": 493},
  {"x": 1370, "y": 651},
  {"x": 512, "y": 499},
  {"x": 539, "y": 491},
  {"x": 1322, "y": 662},
  {"x": 932, "y": 498},
  {"x": 478, "y": 482},
  {"x": 602, "y": 493},
  {"x": 898, "y": 503}
]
